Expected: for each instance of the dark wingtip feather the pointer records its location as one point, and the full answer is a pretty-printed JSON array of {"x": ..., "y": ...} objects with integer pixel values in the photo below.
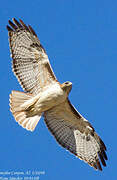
[
  {"x": 99, "y": 165},
  {"x": 17, "y": 23},
  {"x": 32, "y": 30},
  {"x": 103, "y": 145},
  {"x": 12, "y": 25},
  {"x": 24, "y": 25},
  {"x": 102, "y": 159},
  {"x": 9, "y": 28},
  {"x": 104, "y": 155}
]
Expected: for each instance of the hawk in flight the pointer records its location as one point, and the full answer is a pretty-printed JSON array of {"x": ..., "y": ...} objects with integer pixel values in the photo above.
[{"x": 44, "y": 95}]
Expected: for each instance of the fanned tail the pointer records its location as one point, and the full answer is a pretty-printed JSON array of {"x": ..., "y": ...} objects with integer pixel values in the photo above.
[{"x": 21, "y": 115}]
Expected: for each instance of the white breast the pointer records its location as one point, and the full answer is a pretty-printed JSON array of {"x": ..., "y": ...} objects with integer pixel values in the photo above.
[{"x": 54, "y": 95}]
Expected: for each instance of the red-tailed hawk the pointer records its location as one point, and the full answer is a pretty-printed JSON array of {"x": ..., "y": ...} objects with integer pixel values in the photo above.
[{"x": 45, "y": 95}]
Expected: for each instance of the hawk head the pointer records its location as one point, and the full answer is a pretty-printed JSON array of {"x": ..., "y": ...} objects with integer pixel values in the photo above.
[{"x": 67, "y": 86}]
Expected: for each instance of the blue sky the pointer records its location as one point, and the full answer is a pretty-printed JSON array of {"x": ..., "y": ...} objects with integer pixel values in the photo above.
[{"x": 80, "y": 38}]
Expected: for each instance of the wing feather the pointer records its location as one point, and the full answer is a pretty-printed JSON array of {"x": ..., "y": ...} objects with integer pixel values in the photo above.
[
  {"x": 30, "y": 61},
  {"x": 76, "y": 134}
]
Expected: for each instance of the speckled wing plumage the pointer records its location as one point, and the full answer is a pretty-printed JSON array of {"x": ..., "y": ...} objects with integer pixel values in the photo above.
[
  {"x": 76, "y": 134},
  {"x": 30, "y": 61},
  {"x": 32, "y": 68}
]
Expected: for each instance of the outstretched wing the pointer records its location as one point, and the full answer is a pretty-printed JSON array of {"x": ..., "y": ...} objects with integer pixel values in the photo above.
[
  {"x": 30, "y": 61},
  {"x": 76, "y": 134}
]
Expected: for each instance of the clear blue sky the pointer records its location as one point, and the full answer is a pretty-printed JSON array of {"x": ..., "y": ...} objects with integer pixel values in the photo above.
[{"x": 80, "y": 38}]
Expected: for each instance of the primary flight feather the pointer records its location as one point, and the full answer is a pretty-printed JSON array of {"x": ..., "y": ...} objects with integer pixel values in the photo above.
[{"x": 44, "y": 94}]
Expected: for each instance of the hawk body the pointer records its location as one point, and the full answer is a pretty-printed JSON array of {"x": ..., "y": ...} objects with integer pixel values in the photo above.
[
  {"x": 45, "y": 95},
  {"x": 45, "y": 100}
]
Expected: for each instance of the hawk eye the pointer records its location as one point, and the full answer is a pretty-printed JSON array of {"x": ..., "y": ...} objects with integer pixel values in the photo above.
[{"x": 66, "y": 82}]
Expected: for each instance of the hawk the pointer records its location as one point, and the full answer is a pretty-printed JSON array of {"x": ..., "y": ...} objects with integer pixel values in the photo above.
[{"x": 45, "y": 96}]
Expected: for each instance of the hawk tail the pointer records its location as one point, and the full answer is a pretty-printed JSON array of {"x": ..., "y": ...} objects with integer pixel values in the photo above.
[
  {"x": 21, "y": 115},
  {"x": 17, "y": 101}
]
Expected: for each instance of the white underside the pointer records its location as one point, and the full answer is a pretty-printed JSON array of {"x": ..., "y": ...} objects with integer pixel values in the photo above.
[
  {"x": 43, "y": 101},
  {"x": 27, "y": 109}
]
